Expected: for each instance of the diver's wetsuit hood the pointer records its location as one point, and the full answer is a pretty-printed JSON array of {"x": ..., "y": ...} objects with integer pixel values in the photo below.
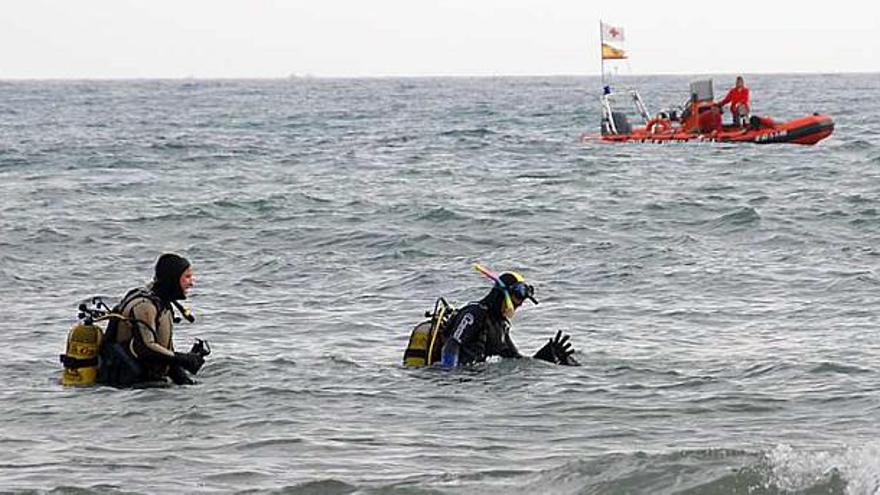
[
  {"x": 166, "y": 281},
  {"x": 497, "y": 298},
  {"x": 494, "y": 302}
]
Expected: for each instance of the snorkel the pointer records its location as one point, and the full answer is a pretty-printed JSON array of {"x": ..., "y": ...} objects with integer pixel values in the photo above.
[{"x": 508, "y": 308}]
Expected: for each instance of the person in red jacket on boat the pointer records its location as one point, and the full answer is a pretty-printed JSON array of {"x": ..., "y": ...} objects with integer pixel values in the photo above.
[{"x": 738, "y": 97}]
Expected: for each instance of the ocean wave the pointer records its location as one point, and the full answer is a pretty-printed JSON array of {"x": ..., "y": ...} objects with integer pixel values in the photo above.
[
  {"x": 48, "y": 234},
  {"x": 401, "y": 254},
  {"x": 684, "y": 472},
  {"x": 762, "y": 369},
  {"x": 268, "y": 443},
  {"x": 476, "y": 132},
  {"x": 14, "y": 162},
  {"x": 857, "y": 145},
  {"x": 73, "y": 489},
  {"x": 180, "y": 144},
  {"x": 744, "y": 217},
  {"x": 844, "y": 369},
  {"x": 325, "y": 487},
  {"x": 851, "y": 470},
  {"x": 439, "y": 214},
  {"x": 396, "y": 141}
]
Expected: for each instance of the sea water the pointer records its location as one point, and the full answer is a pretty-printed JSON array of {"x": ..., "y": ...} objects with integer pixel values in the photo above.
[{"x": 722, "y": 298}]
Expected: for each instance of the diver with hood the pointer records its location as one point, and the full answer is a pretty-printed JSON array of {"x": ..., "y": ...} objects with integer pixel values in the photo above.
[
  {"x": 482, "y": 328},
  {"x": 138, "y": 349}
]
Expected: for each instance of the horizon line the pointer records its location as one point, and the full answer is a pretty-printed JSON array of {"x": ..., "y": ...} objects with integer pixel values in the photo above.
[{"x": 306, "y": 76}]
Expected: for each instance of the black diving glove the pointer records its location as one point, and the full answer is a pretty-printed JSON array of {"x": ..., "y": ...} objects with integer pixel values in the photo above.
[
  {"x": 189, "y": 361},
  {"x": 558, "y": 351},
  {"x": 179, "y": 377},
  {"x": 546, "y": 353}
]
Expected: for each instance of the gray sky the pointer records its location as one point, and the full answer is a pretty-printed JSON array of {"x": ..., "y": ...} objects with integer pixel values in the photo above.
[{"x": 277, "y": 38}]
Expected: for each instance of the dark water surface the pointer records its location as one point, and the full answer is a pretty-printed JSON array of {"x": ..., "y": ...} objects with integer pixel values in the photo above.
[{"x": 722, "y": 297}]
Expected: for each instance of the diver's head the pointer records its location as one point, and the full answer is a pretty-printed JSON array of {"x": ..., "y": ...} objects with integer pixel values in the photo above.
[
  {"x": 173, "y": 278},
  {"x": 739, "y": 82},
  {"x": 510, "y": 291}
]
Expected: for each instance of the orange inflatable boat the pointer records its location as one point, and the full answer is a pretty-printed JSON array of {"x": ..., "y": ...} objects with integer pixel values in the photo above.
[{"x": 700, "y": 120}]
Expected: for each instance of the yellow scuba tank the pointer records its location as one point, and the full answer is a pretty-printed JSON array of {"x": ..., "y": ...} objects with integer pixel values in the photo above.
[
  {"x": 416, "y": 353},
  {"x": 425, "y": 341},
  {"x": 80, "y": 359}
]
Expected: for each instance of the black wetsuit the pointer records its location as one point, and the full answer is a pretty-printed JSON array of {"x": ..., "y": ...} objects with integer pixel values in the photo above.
[{"x": 478, "y": 331}]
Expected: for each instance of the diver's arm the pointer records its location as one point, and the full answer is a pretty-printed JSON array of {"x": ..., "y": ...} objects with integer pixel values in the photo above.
[
  {"x": 510, "y": 350},
  {"x": 144, "y": 344}
]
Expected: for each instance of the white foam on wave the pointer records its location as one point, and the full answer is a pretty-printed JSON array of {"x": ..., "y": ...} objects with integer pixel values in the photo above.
[{"x": 796, "y": 470}]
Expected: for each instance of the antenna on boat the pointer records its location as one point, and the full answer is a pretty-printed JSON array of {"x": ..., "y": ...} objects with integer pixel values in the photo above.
[
  {"x": 605, "y": 89},
  {"x": 611, "y": 40}
]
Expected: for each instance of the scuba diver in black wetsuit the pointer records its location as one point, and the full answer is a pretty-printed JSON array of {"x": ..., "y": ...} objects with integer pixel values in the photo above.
[
  {"x": 482, "y": 329},
  {"x": 138, "y": 346}
]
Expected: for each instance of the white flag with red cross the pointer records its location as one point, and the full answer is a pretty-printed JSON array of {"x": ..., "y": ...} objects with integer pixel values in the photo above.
[{"x": 611, "y": 34}]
